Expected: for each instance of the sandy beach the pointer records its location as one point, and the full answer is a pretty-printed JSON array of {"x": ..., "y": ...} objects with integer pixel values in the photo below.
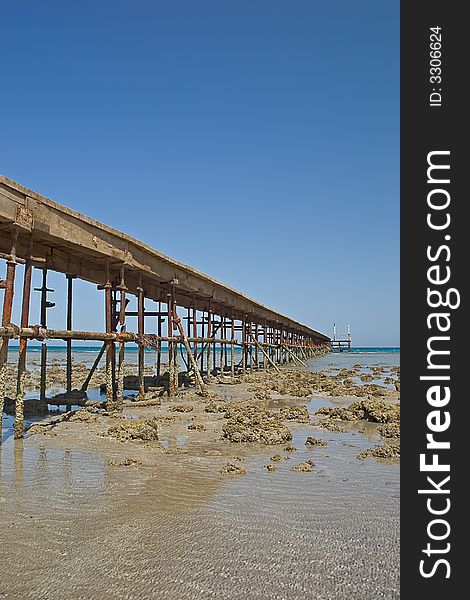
[{"x": 169, "y": 501}]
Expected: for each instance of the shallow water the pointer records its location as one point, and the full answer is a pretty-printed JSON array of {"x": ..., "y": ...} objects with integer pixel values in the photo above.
[{"x": 74, "y": 527}]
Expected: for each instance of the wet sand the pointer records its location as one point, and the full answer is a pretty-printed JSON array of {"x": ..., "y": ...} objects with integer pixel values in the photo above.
[{"x": 87, "y": 516}]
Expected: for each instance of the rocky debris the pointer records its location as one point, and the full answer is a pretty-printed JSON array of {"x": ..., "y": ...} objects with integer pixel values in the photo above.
[
  {"x": 70, "y": 397},
  {"x": 214, "y": 407},
  {"x": 270, "y": 467},
  {"x": 94, "y": 404},
  {"x": 32, "y": 408},
  {"x": 367, "y": 377},
  {"x": 263, "y": 394},
  {"x": 396, "y": 383},
  {"x": 56, "y": 377},
  {"x": 290, "y": 449},
  {"x": 132, "y": 382},
  {"x": 388, "y": 380},
  {"x": 346, "y": 373},
  {"x": 190, "y": 395},
  {"x": 276, "y": 458},
  {"x": 83, "y": 415},
  {"x": 391, "y": 430},
  {"x": 253, "y": 424},
  {"x": 231, "y": 469},
  {"x": 364, "y": 410},
  {"x": 227, "y": 380},
  {"x": 167, "y": 418},
  {"x": 154, "y": 393},
  {"x": 295, "y": 413},
  {"x": 37, "y": 428},
  {"x": 371, "y": 389},
  {"x": 211, "y": 396},
  {"x": 184, "y": 408},
  {"x": 330, "y": 426},
  {"x": 311, "y": 441},
  {"x": 138, "y": 403},
  {"x": 305, "y": 467},
  {"x": 196, "y": 427},
  {"x": 127, "y": 462},
  {"x": 293, "y": 383},
  {"x": 145, "y": 430},
  {"x": 245, "y": 407},
  {"x": 390, "y": 451}
]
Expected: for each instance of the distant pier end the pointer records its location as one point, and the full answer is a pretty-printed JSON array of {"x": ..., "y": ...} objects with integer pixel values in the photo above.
[{"x": 341, "y": 344}]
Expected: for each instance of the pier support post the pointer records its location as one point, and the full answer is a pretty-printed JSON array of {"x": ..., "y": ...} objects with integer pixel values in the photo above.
[
  {"x": 214, "y": 353},
  {"x": 122, "y": 345},
  {"x": 6, "y": 319},
  {"x": 140, "y": 332},
  {"x": 194, "y": 328},
  {"x": 200, "y": 385},
  {"x": 172, "y": 346},
  {"x": 243, "y": 346},
  {"x": 203, "y": 329},
  {"x": 86, "y": 383},
  {"x": 223, "y": 357},
  {"x": 110, "y": 347},
  {"x": 18, "y": 426},
  {"x": 44, "y": 306},
  {"x": 232, "y": 347},
  {"x": 209, "y": 335},
  {"x": 159, "y": 344},
  {"x": 68, "y": 386}
]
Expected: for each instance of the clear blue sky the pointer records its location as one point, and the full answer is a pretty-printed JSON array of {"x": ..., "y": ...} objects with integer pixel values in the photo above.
[{"x": 257, "y": 141}]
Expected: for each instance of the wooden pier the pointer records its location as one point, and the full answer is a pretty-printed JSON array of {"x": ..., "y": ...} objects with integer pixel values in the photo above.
[
  {"x": 341, "y": 345},
  {"x": 195, "y": 312}
]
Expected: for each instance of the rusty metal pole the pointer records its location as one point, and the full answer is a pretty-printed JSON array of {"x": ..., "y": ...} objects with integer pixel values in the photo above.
[
  {"x": 159, "y": 346},
  {"x": 200, "y": 385},
  {"x": 194, "y": 326},
  {"x": 264, "y": 342},
  {"x": 93, "y": 368},
  {"x": 18, "y": 426},
  {"x": 188, "y": 324},
  {"x": 122, "y": 345},
  {"x": 232, "y": 347},
  {"x": 214, "y": 353},
  {"x": 170, "y": 346},
  {"x": 140, "y": 332},
  {"x": 172, "y": 388},
  {"x": 243, "y": 346},
  {"x": 44, "y": 306},
  {"x": 6, "y": 319},
  {"x": 209, "y": 335},
  {"x": 68, "y": 387},
  {"x": 268, "y": 348},
  {"x": 251, "y": 346},
  {"x": 175, "y": 320},
  {"x": 222, "y": 345},
  {"x": 110, "y": 348},
  {"x": 225, "y": 345},
  {"x": 203, "y": 330}
]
